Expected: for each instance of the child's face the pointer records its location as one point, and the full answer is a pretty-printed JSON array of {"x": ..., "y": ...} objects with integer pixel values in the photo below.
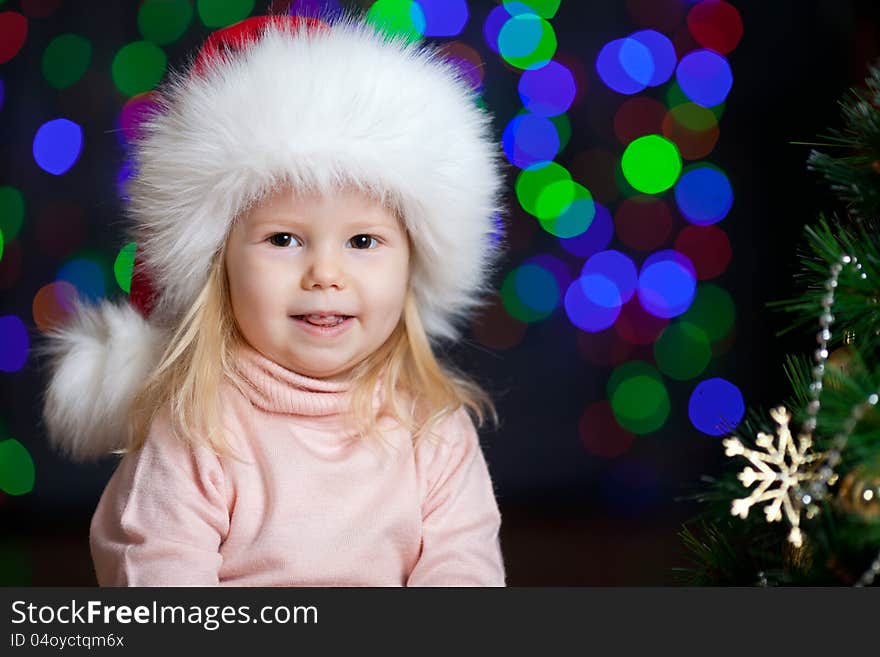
[{"x": 302, "y": 254}]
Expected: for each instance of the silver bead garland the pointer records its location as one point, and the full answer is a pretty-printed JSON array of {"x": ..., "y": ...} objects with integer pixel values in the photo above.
[{"x": 819, "y": 487}]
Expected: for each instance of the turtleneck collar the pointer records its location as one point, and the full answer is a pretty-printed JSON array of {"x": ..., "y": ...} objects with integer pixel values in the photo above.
[{"x": 275, "y": 388}]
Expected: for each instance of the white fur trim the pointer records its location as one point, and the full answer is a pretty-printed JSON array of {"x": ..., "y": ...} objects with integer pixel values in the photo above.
[
  {"x": 97, "y": 361},
  {"x": 349, "y": 104}
]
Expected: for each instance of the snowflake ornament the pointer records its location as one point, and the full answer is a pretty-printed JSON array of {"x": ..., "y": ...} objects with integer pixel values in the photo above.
[{"x": 782, "y": 464}]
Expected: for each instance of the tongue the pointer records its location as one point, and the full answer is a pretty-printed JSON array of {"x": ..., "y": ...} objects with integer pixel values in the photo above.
[{"x": 323, "y": 321}]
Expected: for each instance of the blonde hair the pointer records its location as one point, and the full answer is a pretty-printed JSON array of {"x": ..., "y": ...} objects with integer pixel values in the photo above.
[{"x": 419, "y": 391}]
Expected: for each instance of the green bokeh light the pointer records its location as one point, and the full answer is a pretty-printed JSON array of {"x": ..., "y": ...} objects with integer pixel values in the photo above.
[
  {"x": 11, "y": 212},
  {"x": 138, "y": 67},
  {"x": 513, "y": 300},
  {"x": 220, "y": 13},
  {"x": 527, "y": 41},
  {"x": 532, "y": 180},
  {"x": 638, "y": 397},
  {"x": 713, "y": 311},
  {"x": 651, "y": 164},
  {"x": 675, "y": 97},
  {"x": 164, "y": 21},
  {"x": 682, "y": 351},
  {"x": 16, "y": 468},
  {"x": 123, "y": 265},
  {"x": 543, "y": 8},
  {"x": 565, "y": 208},
  {"x": 398, "y": 17},
  {"x": 66, "y": 59}
]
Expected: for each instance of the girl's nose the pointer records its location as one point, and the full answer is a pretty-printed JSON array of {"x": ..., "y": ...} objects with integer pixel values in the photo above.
[{"x": 324, "y": 270}]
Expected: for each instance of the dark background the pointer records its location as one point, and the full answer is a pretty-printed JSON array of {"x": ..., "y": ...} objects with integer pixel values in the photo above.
[{"x": 569, "y": 518}]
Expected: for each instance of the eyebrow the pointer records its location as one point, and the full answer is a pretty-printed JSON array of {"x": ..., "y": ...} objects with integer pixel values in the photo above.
[{"x": 293, "y": 222}]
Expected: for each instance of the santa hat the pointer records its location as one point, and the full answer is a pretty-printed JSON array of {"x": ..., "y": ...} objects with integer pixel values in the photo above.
[{"x": 283, "y": 100}]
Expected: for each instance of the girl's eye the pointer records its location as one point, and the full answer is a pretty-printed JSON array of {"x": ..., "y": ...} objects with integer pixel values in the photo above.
[
  {"x": 362, "y": 242},
  {"x": 288, "y": 237}
]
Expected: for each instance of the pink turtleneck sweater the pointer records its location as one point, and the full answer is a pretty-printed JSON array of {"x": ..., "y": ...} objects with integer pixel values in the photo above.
[{"x": 308, "y": 506}]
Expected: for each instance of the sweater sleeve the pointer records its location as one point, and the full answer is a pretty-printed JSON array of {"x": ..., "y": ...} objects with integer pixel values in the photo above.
[
  {"x": 460, "y": 516},
  {"x": 162, "y": 516}
]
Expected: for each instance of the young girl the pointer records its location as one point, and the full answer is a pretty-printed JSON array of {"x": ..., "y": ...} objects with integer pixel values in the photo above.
[{"x": 314, "y": 202}]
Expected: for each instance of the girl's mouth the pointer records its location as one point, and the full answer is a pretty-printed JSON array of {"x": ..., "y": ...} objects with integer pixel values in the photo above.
[{"x": 327, "y": 326}]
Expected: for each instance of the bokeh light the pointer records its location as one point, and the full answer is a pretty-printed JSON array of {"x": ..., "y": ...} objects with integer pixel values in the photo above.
[
  {"x": 138, "y": 67},
  {"x": 13, "y": 32},
  {"x": 643, "y": 223},
  {"x": 565, "y": 209},
  {"x": 667, "y": 283},
  {"x": 703, "y": 194},
  {"x": 123, "y": 265},
  {"x": 707, "y": 247},
  {"x": 534, "y": 179},
  {"x": 57, "y": 145},
  {"x": 53, "y": 303},
  {"x": 592, "y": 302},
  {"x": 601, "y": 434},
  {"x": 14, "y": 343},
  {"x": 493, "y": 326},
  {"x": 87, "y": 274},
  {"x": 66, "y": 59},
  {"x": 625, "y": 66},
  {"x": 616, "y": 267},
  {"x": 595, "y": 238},
  {"x": 164, "y": 21},
  {"x": 400, "y": 17},
  {"x": 637, "y": 326},
  {"x": 651, "y": 164},
  {"x": 467, "y": 60},
  {"x": 444, "y": 18},
  {"x": 11, "y": 211},
  {"x": 693, "y": 129},
  {"x": 220, "y": 13},
  {"x": 663, "y": 58},
  {"x": 716, "y": 25},
  {"x": 705, "y": 77},
  {"x": 2, "y": 242},
  {"x": 638, "y": 397},
  {"x": 713, "y": 310},
  {"x": 547, "y": 91},
  {"x": 529, "y": 140},
  {"x": 136, "y": 110},
  {"x": 543, "y": 8},
  {"x": 16, "y": 468},
  {"x": 530, "y": 293},
  {"x": 716, "y": 406},
  {"x": 527, "y": 41},
  {"x": 637, "y": 117},
  {"x": 682, "y": 351}
]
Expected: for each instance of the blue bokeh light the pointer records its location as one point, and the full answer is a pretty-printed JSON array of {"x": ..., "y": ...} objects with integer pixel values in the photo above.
[
  {"x": 547, "y": 91},
  {"x": 529, "y": 139},
  {"x": 86, "y": 276},
  {"x": 536, "y": 287},
  {"x": 15, "y": 343},
  {"x": 716, "y": 406},
  {"x": 592, "y": 302},
  {"x": 57, "y": 145},
  {"x": 705, "y": 77},
  {"x": 704, "y": 195},
  {"x": 667, "y": 284},
  {"x": 662, "y": 55},
  {"x": 625, "y": 65},
  {"x": 616, "y": 267},
  {"x": 444, "y": 18},
  {"x": 597, "y": 236}
]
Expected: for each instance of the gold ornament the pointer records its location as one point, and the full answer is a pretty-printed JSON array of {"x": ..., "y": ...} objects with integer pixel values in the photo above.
[
  {"x": 859, "y": 492},
  {"x": 782, "y": 464}
]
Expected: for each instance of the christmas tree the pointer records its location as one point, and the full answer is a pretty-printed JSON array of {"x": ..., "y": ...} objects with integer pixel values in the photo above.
[{"x": 798, "y": 503}]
